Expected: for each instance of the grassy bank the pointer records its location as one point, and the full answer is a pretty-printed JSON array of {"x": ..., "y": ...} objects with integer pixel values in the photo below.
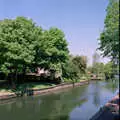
[
  {"x": 33, "y": 85},
  {"x": 22, "y": 87}
]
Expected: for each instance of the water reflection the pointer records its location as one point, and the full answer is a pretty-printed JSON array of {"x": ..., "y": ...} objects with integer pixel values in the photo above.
[
  {"x": 66, "y": 104},
  {"x": 96, "y": 95},
  {"x": 112, "y": 84},
  {"x": 54, "y": 106}
]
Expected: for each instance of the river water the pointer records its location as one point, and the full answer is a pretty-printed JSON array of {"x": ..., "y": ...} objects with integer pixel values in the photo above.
[{"x": 79, "y": 103}]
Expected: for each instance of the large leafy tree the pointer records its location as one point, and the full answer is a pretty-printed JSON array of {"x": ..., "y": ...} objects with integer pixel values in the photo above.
[
  {"x": 23, "y": 44},
  {"x": 17, "y": 42},
  {"x": 52, "y": 51},
  {"x": 52, "y": 48},
  {"x": 109, "y": 38},
  {"x": 18, "y": 39}
]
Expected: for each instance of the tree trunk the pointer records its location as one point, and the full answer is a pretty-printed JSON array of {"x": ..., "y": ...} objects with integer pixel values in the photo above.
[
  {"x": 16, "y": 80},
  {"x": 23, "y": 73},
  {"x": 13, "y": 81}
]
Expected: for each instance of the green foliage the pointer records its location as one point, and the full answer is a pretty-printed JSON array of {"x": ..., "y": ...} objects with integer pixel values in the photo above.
[
  {"x": 81, "y": 62},
  {"x": 16, "y": 42},
  {"x": 52, "y": 48},
  {"x": 75, "y": 67},
  {"x": 108, "y": 69},
  {"x": 70, "y": 71},
  {"x": 98, "y": 68},
  {"x": 23, "y": 45},
  {"x": 102, "y": 70},
  {"x": 109, "y": 38}
]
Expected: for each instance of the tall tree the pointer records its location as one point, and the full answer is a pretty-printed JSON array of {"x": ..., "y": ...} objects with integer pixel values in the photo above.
[
  {"x": 70, "y": 70},
  {"x": 53, "y": 48},
  {"x": 17, "y": 43},
  {"x": 109, "y": 38},
  {"x": 81, "y": 62},
  {"x": 96, "y": 63}
]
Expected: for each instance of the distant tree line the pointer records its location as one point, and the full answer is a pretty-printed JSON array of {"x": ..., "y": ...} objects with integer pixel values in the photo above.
[{"x": 104, "y": 70}]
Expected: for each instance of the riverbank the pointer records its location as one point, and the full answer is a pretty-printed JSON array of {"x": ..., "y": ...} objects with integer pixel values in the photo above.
[{"x": 4, "y": 95}]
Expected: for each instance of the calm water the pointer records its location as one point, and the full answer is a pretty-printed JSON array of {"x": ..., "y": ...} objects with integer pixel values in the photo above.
[{"x": 78, "y": 103}]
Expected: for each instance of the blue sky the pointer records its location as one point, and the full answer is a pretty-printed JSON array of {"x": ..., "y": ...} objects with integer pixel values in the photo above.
[{"x": 81, "y": 20}]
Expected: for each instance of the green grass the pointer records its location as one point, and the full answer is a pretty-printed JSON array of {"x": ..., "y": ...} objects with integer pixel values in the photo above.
[
  {"x": 5, "y": 90},
  {"x": 2, "y": 90},
  {"x": 35, "y": 85},
  {"x": 22, "y": 87}
]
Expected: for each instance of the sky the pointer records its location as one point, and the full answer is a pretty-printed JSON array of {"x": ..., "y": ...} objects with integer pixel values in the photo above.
[{"x": 82, "y": 21}]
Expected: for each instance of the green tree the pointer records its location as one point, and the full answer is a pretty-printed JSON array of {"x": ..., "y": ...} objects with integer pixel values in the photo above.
[
  {"x": 98, "y": 69},
  {"x": 109, "y": 38},
  {"x": 108, "y": 70},
  {"x": 70, "y": 71},
  {"x": 81, "y": 62},
  {"x": 75, "y": 67},
  {"x": 52, "y": 51},
  {"x": 17, "y": 43},
  {"x": 52, "y": 48},
  {"x": 23, "y": 44},
  {"x": 95, "y": 64}
]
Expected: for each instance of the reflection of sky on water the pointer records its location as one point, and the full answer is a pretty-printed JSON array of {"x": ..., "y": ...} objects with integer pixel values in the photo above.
[{"x": 84, "y": 112}]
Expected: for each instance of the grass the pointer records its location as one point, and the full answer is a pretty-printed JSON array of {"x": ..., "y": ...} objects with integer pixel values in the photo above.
[
  {"x": 3, "y": 90},
  {"x": 35, "y": 85},
  {"x": 83, "y": 80},
  {"x": 21, "y": 87}
]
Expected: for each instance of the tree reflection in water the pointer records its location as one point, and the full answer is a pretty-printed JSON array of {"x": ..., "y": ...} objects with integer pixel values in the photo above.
[
  {"x": 55, "y": 106},
  {"x": 112, "y": 84},
  {"x": 96, "y": 95},
  {"x": 61, "y": 104}
]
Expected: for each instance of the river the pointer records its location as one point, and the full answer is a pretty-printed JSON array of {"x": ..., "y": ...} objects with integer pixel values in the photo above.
[{"x": 79, "y": 103}]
